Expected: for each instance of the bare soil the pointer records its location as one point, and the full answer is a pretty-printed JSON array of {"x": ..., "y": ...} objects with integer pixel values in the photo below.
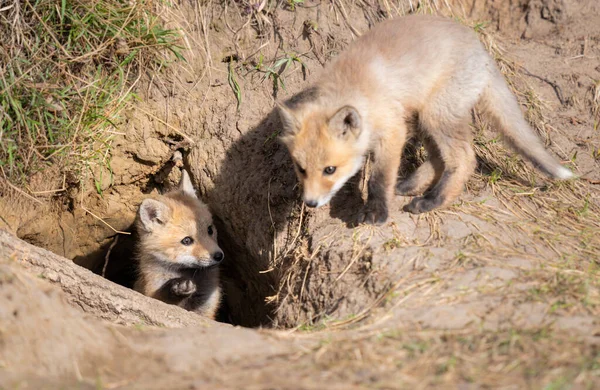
[{"x": 501, "y": 289}]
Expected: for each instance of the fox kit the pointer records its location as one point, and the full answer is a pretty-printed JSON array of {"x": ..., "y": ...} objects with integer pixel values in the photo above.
[
  {"x": 426, "y": 67},
  {"x": 178, "y": 251}
]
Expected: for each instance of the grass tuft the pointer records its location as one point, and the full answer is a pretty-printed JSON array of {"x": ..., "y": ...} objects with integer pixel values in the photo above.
[{"x": 66, "y": 70}]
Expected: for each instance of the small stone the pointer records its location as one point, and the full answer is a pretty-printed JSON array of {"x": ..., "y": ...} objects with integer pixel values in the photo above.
[{"x": 51, "y": 276}]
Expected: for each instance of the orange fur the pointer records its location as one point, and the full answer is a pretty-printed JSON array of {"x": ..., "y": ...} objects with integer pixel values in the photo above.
[
  {"x": 169, "y": 270},
  {"x": 422, "y": 67}
]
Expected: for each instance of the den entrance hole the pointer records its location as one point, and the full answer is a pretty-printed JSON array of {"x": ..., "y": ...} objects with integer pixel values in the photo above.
[{"x": 244, "y": 283}]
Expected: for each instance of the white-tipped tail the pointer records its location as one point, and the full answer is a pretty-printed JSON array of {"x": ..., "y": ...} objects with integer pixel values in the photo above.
[
  {"x": 564, "y": 173},
  {"x": 504, "y": 108}
]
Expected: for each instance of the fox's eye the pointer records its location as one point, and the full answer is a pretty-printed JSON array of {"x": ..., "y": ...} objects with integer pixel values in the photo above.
[
  {"x": 187, "y": 241},
  {"x": 329, "y": 170},
  {"x": 210, "y": 230},
  {"x": 301, "y": 170}
]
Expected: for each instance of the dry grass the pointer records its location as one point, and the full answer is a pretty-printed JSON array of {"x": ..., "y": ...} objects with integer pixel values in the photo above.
[
  {"x": 595, "y": 105},
  {"x": 515, "y": 358},
  {"x": 565, "y": 215},
  {"x": 67, "y": 69}
]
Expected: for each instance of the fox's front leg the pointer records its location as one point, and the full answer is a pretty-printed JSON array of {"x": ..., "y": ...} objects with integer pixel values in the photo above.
[
  {"x": 382, "y": 184},
  {"x": 182, "y": 287},
  {"x": 175, "y": 290}
]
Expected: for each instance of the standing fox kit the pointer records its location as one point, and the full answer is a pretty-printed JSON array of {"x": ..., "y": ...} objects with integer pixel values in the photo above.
[
  {"x": 178, "y": 251},
  {"x": 417, "y": 66}
]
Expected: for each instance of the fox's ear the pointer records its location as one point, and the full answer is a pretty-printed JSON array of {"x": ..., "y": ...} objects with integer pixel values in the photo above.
[
  {"x": 344, "y": 122},
  {"x": 153, "y": 213},
  {"x": 290, "y": 123},
  {"x": 185, "y": 185}
]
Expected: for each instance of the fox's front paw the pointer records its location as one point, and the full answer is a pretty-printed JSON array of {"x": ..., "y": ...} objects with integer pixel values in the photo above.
[
  {"x": 183, "y": 287},
  {"x": 374, "y": 213}
]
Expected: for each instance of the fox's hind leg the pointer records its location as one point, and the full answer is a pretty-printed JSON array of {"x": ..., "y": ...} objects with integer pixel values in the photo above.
[
  {"x": 426, "y": 174},
  {"x": 454, "y": 145},
  {"x": 459, "y": 165},
  {"x": 445, "y": 120}
]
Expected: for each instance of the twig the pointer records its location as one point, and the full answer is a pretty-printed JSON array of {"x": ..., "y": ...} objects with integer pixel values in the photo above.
[
  {"x": 21, "y": 191},
  {"x": 291, "y": 246},
  {"x": 107, "y": 256},
  {"x": 353, "y": 260},
  {"x": 103, "y": 221},
  {"x": 191, "y": 141},
  {"x": 590, "y": 180},
  {"x": 307, "y": 269},
  {"x": 345, "y": 15},
  {"x": 63, "y": 188},
  {"x": 555, "y": 86}
]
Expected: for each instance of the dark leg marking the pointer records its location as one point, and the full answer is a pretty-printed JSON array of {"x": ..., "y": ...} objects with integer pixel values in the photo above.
[
  {"x": 433, "y": 198},
  {"x": 375, "y": 211}
]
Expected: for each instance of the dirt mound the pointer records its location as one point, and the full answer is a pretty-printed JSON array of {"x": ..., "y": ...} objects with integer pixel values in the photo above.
[
  {"x": 71, "y": 349},
  {"x": 523, "y": 18},
  {"x": 43, "y": 336}
]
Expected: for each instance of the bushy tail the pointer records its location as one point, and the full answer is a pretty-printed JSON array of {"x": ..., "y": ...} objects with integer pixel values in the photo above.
[{"x": 504, "y": 109}]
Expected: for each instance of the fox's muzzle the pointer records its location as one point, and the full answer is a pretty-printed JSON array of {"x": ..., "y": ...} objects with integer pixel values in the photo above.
[
  {"x": 218, "y": 256},
  {"x": 311, "y": 203}
]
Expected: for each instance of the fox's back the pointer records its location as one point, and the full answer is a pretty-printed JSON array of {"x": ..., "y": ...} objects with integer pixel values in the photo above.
[
  {"x": 406, "y": 56},
  {"x": 423, "y": 36}
]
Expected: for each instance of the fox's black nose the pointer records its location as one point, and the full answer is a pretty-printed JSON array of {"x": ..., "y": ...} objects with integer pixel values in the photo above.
[
  {"x": 311, "y": 203},
  {"x": 218, "y": 256}
]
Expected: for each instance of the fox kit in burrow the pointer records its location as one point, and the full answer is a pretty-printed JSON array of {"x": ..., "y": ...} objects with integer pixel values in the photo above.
[
  {"x": 417, "y": 66},
  {"x": 178, "y": 252}
]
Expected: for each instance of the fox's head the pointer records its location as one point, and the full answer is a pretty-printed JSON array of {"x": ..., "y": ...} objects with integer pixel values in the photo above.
[
  {"x": 326, "y": 146},
  {"x": 177, "y": 229}
]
